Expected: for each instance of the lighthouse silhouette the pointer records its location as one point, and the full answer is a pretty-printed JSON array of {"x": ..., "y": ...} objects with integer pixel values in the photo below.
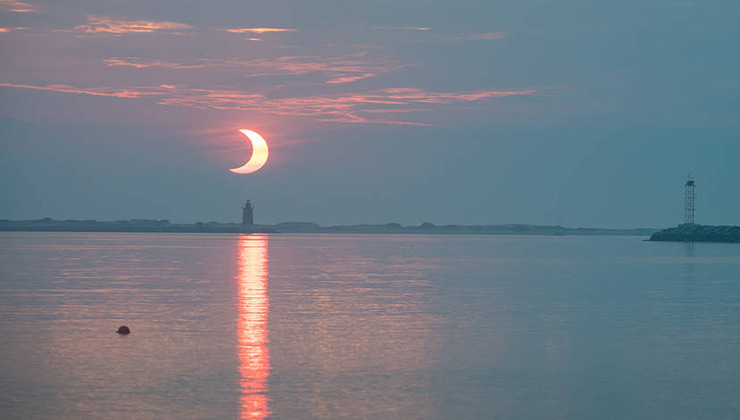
[{"x": 248, "y": 214}]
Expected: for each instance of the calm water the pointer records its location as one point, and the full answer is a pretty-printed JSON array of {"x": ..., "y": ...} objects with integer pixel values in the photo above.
[{"x": 374, "y": 327}]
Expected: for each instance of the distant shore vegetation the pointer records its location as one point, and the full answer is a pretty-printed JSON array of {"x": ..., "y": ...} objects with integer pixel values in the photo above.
[
  {"x": 698, "y": 233},
  {"x": 147, "y": 225}
]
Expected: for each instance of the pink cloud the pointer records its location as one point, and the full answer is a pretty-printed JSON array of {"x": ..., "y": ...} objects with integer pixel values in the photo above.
[
  {"x": 349, "y": 79},
  {"x": 107, "y": 25},
  {"x": 142, "y": 63},
  {"x": 258, "y": 30},
  {"x": 336, "y": 70},
  {"x": 17, "y": 6},
  {"x": 344, "y": 108},
  {"x": 17, "y": 28},
  {"x": 404, "y": 28},
  {"x": 139, "y": 63},
  {"x": 110, "y": 92}
]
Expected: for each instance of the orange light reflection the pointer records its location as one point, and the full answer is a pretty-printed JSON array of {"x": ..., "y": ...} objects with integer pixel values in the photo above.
[{"x": 254, "y": 304}]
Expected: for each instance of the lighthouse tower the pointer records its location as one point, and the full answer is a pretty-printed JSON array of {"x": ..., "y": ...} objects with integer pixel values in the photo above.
[{"x": 248, "y": 214}]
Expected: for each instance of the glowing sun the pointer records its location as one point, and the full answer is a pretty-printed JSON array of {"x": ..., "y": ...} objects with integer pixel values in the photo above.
[{"x": 259, "y": 154}]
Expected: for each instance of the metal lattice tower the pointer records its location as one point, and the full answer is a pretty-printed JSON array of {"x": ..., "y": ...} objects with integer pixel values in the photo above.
[{"x": 689, "y": 201}]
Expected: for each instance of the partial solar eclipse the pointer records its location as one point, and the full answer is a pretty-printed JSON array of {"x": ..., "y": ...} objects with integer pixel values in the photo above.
[{"x": 259, "y": 154}]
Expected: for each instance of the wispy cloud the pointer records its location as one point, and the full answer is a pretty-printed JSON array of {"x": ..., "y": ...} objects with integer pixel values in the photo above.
[
  {"x": 403, "y": 28},
  {"x": 17, "y": 28},
  {"x": 349, "y": 79},
  {"x": 345, "y": 69},
  {"x": 339, "y": 108},
  {"x": 364, "y": 107},
  {"x": 133, "y": 92},
  {"x": 107, "y": 25},
  {"x": 336, "y": 70},
  {"x": 258, "y": 30},
  {"x": 486, "y": 35},
  {"x": 17, "y": 6},
  {"x": 141, "y": 63}
]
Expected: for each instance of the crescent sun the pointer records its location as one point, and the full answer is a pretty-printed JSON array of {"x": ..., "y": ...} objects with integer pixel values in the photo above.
[{"x": 259, "y": 154}]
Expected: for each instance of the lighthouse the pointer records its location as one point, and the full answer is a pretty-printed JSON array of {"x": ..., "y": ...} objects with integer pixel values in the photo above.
[{"x": 248, "y": 214}]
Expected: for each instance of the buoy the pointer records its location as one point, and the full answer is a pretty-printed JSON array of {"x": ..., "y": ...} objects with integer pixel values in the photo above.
[{"x": 123, "y": 330}]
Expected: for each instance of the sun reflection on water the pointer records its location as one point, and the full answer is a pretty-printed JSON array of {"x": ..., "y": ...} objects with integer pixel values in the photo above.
[{"x": 254, "y": 304}]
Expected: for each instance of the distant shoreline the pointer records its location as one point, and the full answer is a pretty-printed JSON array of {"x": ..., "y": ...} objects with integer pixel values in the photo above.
[{"x": 164, "y": 226}]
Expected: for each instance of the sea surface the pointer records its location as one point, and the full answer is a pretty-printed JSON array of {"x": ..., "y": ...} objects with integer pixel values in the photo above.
[{"x": 367, "y": 327}]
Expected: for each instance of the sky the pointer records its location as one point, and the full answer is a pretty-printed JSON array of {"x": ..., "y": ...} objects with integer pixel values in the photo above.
[{"x": 572, "y": 112}]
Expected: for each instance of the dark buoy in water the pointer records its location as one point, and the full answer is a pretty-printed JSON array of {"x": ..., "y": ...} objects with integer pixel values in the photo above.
[{"x": 123, "y": 330}]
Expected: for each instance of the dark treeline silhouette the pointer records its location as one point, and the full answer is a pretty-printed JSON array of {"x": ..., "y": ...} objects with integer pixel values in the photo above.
[
  {"x": 145, "y": 225},
  {"x": 698, "y": 233}
]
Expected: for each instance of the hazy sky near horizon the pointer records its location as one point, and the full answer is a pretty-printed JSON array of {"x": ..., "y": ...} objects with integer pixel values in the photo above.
[{"x": 573, "y": 112}]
